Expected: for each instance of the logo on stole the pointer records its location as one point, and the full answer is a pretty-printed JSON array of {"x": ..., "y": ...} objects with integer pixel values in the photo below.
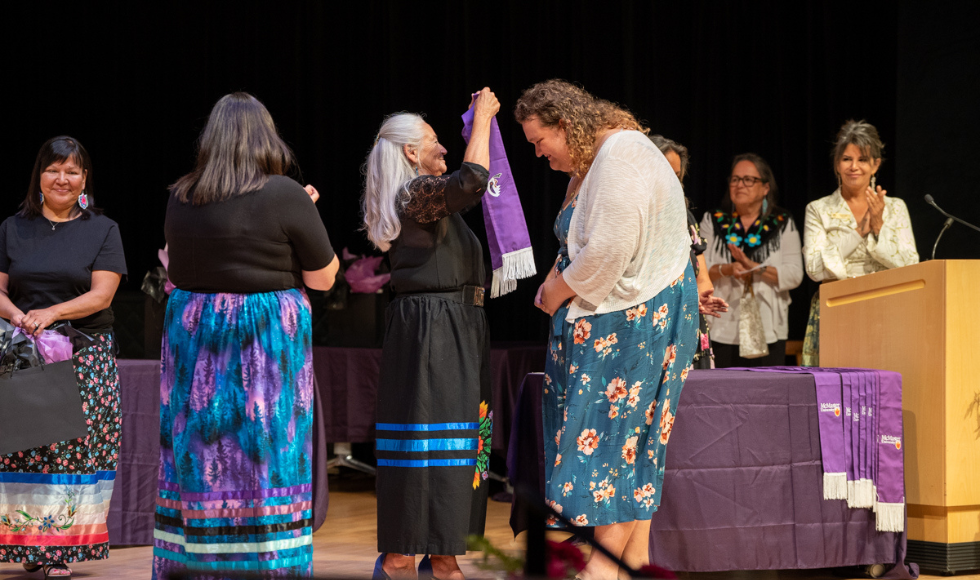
[
  {"x": 493, "y": 188},
  {"x": 892, "y": 440}
]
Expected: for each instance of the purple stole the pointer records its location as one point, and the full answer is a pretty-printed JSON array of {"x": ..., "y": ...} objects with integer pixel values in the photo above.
[
  {"x": 510, "y": 244},
  {"x": 859, "y": 414}
]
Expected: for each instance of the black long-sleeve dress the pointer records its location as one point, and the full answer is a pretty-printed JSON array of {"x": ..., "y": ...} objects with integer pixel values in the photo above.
[{"x": 434, "y": 421}]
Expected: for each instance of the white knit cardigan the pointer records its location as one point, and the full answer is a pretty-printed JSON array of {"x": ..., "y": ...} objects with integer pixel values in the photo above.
[{"x": 628, "y": 237}]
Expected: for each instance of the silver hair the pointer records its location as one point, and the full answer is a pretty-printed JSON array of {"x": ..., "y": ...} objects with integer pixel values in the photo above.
[
  {"x": 859, "y": 133},
  {"x": 387, "y": 173}
]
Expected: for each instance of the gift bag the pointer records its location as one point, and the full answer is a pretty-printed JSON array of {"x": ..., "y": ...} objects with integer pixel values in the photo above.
[
  {"x": 41, "y": 402},
  {"x": 751, "y": 334}
]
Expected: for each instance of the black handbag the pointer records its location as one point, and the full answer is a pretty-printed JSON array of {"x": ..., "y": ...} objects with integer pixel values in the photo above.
[{"x": 41, "y": 403}]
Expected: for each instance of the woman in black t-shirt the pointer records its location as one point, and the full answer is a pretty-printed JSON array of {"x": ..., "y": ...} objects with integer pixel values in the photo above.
[
  {"x": 236, "y": 409},
  {"x": 61, "y": 260}
]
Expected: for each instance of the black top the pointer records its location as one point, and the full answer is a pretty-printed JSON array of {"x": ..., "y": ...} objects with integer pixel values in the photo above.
[
  {"x": 436, "y": 250},
  {"x": 258, "y": 241},
  {"x": 49, "y": 266}
]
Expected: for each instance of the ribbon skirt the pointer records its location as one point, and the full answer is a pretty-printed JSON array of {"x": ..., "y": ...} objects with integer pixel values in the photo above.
[{"x": 235, "y": 490}]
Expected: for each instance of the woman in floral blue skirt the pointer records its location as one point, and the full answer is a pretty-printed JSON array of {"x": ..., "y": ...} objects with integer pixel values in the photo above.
[{"x": 624, "y": 306}]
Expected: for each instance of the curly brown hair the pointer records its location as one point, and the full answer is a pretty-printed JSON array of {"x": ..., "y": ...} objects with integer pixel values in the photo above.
[{"x": 580, "y": 114}]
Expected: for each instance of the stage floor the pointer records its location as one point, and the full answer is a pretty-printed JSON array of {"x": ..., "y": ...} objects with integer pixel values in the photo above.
[{"x": 345, "y": 548}]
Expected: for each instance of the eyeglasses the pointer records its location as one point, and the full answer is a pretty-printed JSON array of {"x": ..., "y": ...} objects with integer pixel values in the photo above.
[{"x": 748, "y": 180}]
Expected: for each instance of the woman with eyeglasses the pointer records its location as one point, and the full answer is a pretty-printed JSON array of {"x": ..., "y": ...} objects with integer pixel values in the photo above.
[{"x": 752, "y": 246}]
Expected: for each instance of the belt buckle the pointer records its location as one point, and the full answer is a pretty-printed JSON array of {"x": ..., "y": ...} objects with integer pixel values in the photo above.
[{"x": 477, "y": 295}]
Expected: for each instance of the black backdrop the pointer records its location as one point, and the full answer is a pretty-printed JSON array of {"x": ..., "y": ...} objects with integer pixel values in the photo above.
[{"x": 134, "y": 82}]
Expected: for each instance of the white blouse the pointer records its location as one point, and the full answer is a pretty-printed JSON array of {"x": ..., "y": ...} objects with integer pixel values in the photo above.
[
  {"x": 783, "y": 253},
  {"x": 833, "y": 249},
  {"x": 628, "y": 236}
]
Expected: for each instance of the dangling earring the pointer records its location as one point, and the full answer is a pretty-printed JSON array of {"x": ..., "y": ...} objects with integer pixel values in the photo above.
[
  {"x": 416, "y": 171},
  {"x": 83, "y": 200},
  {"x": 765, "y": 205},
  {"x": 41, "y": 193},
  {"x": 838, "y": 181},
  {"x": 872, "y": 183}
]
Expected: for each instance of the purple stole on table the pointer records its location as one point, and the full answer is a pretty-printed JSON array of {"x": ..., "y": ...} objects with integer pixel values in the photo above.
[
  {"x": 510, "y": 244},
  {"x": 859, "y": 414}
]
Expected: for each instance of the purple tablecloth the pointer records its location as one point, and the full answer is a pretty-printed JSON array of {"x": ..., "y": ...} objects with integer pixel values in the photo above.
[
  {"x": 347, "y": 384},
  {"x": 742, "y": 484}
]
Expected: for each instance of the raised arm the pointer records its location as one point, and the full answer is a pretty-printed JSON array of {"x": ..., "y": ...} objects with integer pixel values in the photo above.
[{"x": 485, "y": 106}]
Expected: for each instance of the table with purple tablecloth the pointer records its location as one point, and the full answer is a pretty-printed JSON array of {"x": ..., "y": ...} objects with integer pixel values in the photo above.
[
  {"x": 346, "y": 391},
  {"x": 742, "y": 487}
]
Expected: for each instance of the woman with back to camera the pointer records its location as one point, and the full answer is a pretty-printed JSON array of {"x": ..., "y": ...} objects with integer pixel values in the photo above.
[
  {"x": 752, "y": 241},
  {"x": 709, "y": 305},
  {"x": 856, "y": 230},
  {"x": 236, "y": 384},
  {"x": 61, "y": 260},
  {"x": 623, "y": 303},
  {"x": 434, "y": 422}
]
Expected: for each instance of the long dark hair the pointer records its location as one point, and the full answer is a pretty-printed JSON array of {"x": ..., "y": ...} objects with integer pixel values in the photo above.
[
  {"x": 58, "y": 150},
  {"x": 765, "y": 172},
  {"x": 238, "y": 150}
]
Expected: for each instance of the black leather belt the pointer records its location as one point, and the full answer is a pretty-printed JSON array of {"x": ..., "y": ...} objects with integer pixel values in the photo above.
[{"x": 471, "y": 295}]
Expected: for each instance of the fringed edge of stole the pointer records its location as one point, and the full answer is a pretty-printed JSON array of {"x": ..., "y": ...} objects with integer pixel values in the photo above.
[
  {"x": 860, "y": 494},
  {"x": 835, "y": 486},
  {"x": 890, "y": 517},
  {"x": 514, "y": 266}
]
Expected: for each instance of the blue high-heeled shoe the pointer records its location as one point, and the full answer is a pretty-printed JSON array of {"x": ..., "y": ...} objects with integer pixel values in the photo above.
[{"x": 379, "y": 571}]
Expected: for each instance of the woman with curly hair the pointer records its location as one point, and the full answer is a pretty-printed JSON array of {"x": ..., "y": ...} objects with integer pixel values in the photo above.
[{"x": 624, "y": 306}]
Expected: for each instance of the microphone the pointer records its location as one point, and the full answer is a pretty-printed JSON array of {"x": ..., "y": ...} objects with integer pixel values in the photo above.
[
  {"x": 932, "y": 202},
  {"x": 949, "y": 221}
]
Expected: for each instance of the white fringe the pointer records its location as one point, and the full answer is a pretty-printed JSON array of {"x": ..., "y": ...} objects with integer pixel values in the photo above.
[
  {"x": 860, "y": 494},
  {"x": 890, "y": 517},
  {"x": 835, "y": 486},
  {"x": 516, "y": 265}
]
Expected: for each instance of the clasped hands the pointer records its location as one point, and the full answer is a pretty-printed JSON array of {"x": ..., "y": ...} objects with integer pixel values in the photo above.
[
  {"x": 35, "y": 321},
  {"x": 874, "y": 217}
]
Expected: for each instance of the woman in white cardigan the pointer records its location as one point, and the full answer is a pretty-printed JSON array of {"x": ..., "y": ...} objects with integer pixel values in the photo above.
[
  {"x": 624, "y": 306},
  {"x": 750, "y": 240},
  {"x": 856, "y": 230}
]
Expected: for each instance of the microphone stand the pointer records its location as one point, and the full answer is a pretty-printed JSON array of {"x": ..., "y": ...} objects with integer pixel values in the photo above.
[{"x": 949, "y": 221}]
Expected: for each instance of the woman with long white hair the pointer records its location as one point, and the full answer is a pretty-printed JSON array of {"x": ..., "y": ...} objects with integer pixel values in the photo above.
[{"x": 434, "y": 422}]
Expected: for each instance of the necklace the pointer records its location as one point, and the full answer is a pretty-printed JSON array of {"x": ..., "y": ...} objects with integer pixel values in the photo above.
[{"x": 53, "y": 224}]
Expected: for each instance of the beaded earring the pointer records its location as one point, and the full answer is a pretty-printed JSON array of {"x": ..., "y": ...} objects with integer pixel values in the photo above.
[
  {"x": 83, "y": 200},
  {"x": 41, "y": 193},
  {"x": 872, "y": 183}
]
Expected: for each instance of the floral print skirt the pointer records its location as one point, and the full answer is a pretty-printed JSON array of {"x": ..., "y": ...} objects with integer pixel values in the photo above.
[
  {"x": 611, "y": 386},
  {"x": 236, "y": 415},
  {"x": 54, "y": 499}
]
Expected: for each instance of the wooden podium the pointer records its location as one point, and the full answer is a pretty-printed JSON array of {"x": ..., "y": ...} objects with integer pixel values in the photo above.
[{"x": 924, "y": 322}]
